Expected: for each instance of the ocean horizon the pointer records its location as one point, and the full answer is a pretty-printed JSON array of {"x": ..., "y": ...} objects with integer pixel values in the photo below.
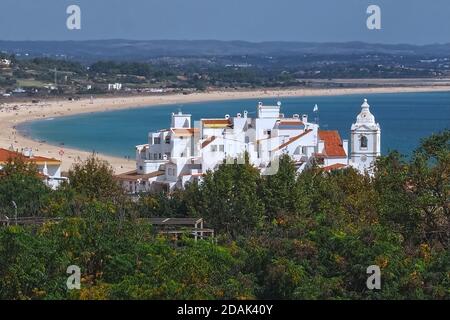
[{"x": 405, "y": 119}]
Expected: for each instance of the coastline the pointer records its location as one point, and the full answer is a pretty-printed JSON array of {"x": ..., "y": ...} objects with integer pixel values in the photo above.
[{"x": 13, "y": 114}]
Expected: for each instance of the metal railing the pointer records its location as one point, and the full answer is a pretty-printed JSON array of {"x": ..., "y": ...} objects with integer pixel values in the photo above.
[
  {"x": 175, "y": 227},
  {"x": 6, "y": 221}
]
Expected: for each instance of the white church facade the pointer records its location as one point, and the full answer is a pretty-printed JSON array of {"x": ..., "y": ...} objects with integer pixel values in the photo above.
[
  {"x": 366, "y": 140},
  {"x": 187, "y": 150}
]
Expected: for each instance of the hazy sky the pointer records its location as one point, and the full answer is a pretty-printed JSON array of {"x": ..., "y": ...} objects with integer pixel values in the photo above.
[{"x": 403, "y": 21}]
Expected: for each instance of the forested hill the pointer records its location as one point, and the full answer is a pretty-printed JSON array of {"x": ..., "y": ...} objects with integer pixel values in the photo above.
[{"x": 137, "y": 49}]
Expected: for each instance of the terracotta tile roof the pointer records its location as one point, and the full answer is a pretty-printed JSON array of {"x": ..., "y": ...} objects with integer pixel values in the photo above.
[
  {"x": 335, "y": 166},
  {"x": 6, "y": 155},
  {"x": 200, "y": 174},
  {"x": 184, "y": 132},
  {"x": 333, "y": 144},
  {"x": 283, "y": 123},
  {"x": 216, "y": 123},
  {"x": 133, "y": 175},
  {"x": 208, "y": 141},
  {"x": 295, "y": 138}
]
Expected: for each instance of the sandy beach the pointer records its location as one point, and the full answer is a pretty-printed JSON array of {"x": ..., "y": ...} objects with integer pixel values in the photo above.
[{"x": 12, "y": 114}]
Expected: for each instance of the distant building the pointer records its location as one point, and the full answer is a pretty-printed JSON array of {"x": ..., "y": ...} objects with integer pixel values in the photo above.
[
  {"x": 49, "y": 169},
  {"x": 5, "y": 62},
  {"x": 51, "y": 87},
  {"x": 156, "y": 90},
  {"x": 19, "y": 90},
  {"x": 114, "y": 86},
  {"x": 185, "y": 152}
]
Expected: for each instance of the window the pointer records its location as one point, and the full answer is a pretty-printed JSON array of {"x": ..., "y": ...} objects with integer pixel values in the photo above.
[
  {"x": 304, "y": 150},
  {"x": 141, "y": 168},
  {"x": 167, "y": 139},
  {"x": 213, "y": 148},
  {"x": 156, "y": 140},
  {"x": 363, "y": 142},
  {"x": 160, "y": 156},
  {"x": 155, "y": 156},
  {"x": 221, "y": 148},
  {"x": 247, "y": 139}
]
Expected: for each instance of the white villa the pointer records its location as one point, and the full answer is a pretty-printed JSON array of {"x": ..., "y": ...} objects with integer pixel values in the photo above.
[
  {"x": 49, "y": 169},
  {"x": 187, "y": 150}
]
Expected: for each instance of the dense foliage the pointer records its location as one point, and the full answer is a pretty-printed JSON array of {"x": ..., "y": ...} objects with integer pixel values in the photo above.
[{"x": 285, "y": 236}]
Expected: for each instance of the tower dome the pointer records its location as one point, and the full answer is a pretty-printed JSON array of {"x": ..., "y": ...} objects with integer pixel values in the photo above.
[{"x": 365, "y": 116}]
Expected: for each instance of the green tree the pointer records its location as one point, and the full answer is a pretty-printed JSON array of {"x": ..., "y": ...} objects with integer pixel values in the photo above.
[
  {"x": 94, "y": 178},
  {"x": 429, "y": 186},
  {"x": 229, "y": 199},
  {"x": 279, "y": 190},
  {"x": 21, "y": 183}
]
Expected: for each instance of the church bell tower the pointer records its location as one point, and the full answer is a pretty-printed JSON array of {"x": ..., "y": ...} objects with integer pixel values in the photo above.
[{"x": 365, "y": 140}]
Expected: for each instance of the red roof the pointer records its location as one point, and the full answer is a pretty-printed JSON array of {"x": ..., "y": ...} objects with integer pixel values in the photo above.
[
  {"x": 215, "y": 123},
  {"x": 290, "y": 123},
  {"x": 199, "y": 174},
  {"x": 333, "y": 144},
  {"x": 208, "y": 141},
  {"x": 6, "y": 155},
  {"x": 133, "y": 175},
  {"x": 184, "y": 132},
  {"x": 335, "y": 166}
]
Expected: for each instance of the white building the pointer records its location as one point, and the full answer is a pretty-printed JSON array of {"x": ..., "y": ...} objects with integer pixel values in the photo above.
[
  {"x": 5, "y": 62},
  {"x": 114, "y": 86},
  {"x": 184, "y": 152},
  {"x": 366, "y": 140},
  {"x": 49, "y": 169}
]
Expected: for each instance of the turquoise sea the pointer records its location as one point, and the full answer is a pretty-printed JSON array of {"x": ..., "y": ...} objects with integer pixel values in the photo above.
[{"x": 405, "y": 118}]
